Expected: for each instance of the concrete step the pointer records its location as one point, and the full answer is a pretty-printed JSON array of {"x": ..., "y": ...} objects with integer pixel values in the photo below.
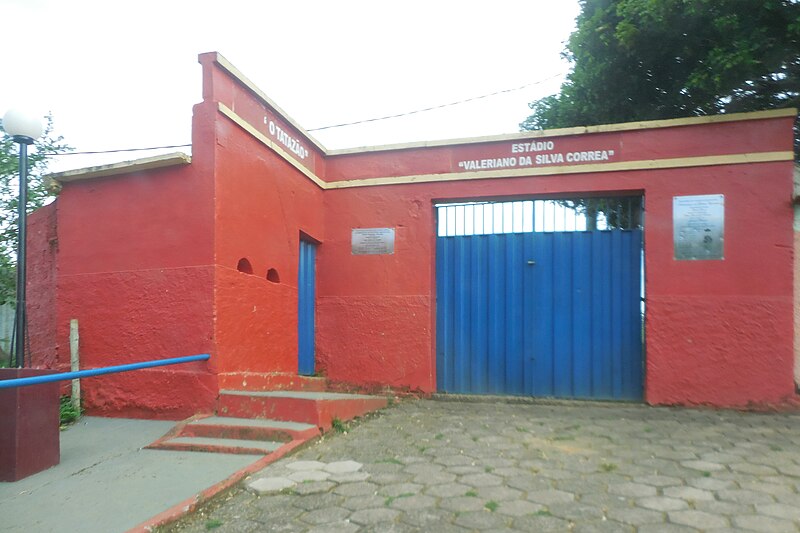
[
  {"x": 268, "y": 381},
  {"x": 207, "y": 444},
  {"x": 317, "y": 408},
  {"x": 249, "y": 429}
]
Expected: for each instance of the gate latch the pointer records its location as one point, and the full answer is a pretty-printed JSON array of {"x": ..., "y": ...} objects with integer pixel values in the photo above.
[{"x": 531, "y": 262}]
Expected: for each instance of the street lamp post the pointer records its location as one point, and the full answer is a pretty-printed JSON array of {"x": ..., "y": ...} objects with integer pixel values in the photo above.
[{"x": 24, "y": 129}]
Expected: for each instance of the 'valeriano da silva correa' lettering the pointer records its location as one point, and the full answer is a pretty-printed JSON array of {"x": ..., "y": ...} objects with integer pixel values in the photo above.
[{"x": 537, "y": 153}]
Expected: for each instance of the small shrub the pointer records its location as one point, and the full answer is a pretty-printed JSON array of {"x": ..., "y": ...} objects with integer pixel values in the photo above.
[
  {"x": 67, "y": 412},
  {"x": 338, "y": 426}
]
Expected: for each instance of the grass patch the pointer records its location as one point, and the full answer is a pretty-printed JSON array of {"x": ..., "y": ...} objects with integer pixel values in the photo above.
[
  {"x": 67, "y": 412},
  {"x": 563, "y": 437},
  {"x": 391, "y": 461},
  {"x": 543, "y": 512},
  {"x": 438, "y": 436},
  {"x": 213, "y": 523},
  {"x": 492, "y": 505},
  {"x": 388, "y": 501},
  {"x": 471, "y": 492},
  {"x": 705, "y": 474},
  {"x": 775, "y": 448},
  {"x": 338, "y": 426},
  {"x": 608, "y": 467}
]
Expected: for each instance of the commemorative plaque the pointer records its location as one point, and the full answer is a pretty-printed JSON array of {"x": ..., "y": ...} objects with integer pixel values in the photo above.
[
  {"x": 698, "y": 227},
  {"x": 372, "y": 241}
]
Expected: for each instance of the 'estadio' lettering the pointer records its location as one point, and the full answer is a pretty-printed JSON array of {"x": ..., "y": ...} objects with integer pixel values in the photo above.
[{"x": 536, "y": 146}]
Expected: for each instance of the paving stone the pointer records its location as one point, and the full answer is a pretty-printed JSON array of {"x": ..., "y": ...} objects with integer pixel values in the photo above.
[
  {"x": 425, "y": 519},
  {"x": 666, "y": 528},
  {"x": 662, "y": 503},
  {"x": 481, "y": 480},
  {"x": 388, "y": 479},
  {"x": 756, "y": 470},
  {"x": 312, "y": 502},
  {"x": 636, "y": 516},
  {"x": 462, "y": 504},
  {"x": 480, "y": 520},
  {"x": 370, "y": 517},
  {"x": 308, "y": 475},
  {"x": 270, "y": 485},
  {"x": 498, "y": 494},
  {"x": 350, "y": 477},
  {"x": 723, "y": 508},
  {"x": 455, "y": 460},
  {"x": 325, "y": 515},
  {"x": 416, "y": 501},
  {"x": 423, "y": 468},
  {"x": 335, "y": 527},
  {"x": 447, "y": 490},
  {"x": 688, "y": 493},
  {"x": 575, "y": 512},
  {"x": 633, "y": 490},
  {"x": 550, "y": 497},
  {"x": 519, "y": 508},
  {"x": 659, "y": 481},
  {"x": 434, "y": 478},
  {"x": 705, "y": 466},
  {"x": 542, "y": 523},
  {"x": 709, "y": 483},
  {"x": 305, "y": 465},
  {"x": 764, "y": 523},
  {"x": 697, "y": 519},
  {"x": 362, "y": 488},
  {"x": 774, "y": 489},
  {"x": 601, "y": 526},
  {"x": 463, "y": 470},
  {"x": 357, "y": 503},
  {"x": 529, "y": 483},
  {"x": 400, "y": 488},
  {"x": 343, "y": 467},
  {"x": 780, "y": 510},
  {"x": 744, "y": 496},
  {"x": 790, "y": 470}
]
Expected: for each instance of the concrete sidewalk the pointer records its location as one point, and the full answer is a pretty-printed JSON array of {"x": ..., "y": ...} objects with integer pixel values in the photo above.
[{"x": 106, "y": 482}]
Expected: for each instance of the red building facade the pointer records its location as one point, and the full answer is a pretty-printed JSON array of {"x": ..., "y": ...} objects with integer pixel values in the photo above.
[{"x": 172, "y": 255}]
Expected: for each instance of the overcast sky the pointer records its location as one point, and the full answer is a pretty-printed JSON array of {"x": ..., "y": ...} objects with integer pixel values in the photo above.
[{"x": 125, "y": 74}]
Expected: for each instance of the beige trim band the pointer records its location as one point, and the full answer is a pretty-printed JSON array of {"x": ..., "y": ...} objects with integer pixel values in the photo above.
[
  {"x": 580, "y": 130},
  {"x": 124, "y": 167},
  {"x": 538, "y": 134},
  {"x": 242, "y": 123},
  {"x": 233, "y": 71},
  {"x": 647, "y": 164}
]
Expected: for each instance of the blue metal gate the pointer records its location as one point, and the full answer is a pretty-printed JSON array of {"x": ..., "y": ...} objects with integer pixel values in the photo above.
[
  {"x": 306, "y": 293},
  {"x": 532, "y": 310}
]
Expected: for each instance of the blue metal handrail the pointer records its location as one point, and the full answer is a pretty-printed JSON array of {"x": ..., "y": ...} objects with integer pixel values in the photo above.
[{"x": 48, "y": 378}]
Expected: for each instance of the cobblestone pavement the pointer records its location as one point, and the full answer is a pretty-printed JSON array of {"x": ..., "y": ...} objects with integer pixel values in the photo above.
[{"x": 445, "y": 466}]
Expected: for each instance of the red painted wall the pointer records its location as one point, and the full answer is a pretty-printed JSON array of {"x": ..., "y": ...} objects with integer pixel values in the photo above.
[
  {"x": 135, "y": 267},
  {"x": 262, "y": 205},
  {"x": 42, "y": 275},
  {"x": 148, "y": 262}
]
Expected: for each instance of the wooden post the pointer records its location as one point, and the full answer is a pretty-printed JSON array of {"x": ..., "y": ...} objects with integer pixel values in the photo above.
[{"x": 75, "y": 362}]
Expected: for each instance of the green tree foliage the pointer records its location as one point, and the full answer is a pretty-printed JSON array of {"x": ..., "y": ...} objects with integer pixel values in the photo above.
[
  {"x": 654, "y": 59},
  {"x": 38, "y": 193}
]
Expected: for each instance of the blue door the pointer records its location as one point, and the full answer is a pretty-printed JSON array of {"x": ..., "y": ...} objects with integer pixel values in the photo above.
[
  {"x": 306, "y": 293},
  {"x": 543, "y": 313}
]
